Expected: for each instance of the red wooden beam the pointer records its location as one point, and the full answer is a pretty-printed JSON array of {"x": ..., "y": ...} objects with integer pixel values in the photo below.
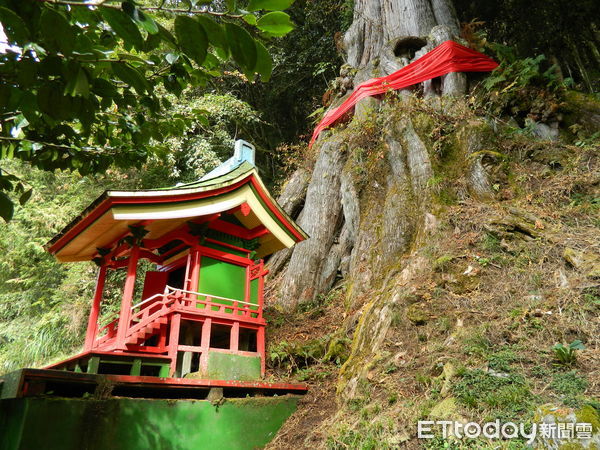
[
  {"x": 124, "y": 316},
  {"x": 182, "y": 234},
  {"x": 92, "y": 327},
  {"x": 225, "y": 244},
  {"x": 240, "y": 260},
  {"x": 174, "y": 341},
  {"x": 28, "y": 375},
  {"x": 238, "y": 231}
]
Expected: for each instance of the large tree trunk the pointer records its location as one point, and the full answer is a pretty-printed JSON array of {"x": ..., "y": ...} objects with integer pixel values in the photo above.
[{"x": 359, "y": 229}]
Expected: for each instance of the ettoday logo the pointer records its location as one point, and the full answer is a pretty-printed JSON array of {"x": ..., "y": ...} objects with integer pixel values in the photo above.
[{"x": 427, "y": 429}]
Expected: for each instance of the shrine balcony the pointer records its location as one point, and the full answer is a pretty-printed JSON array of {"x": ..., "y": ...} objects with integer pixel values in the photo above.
[{"x": 149, "y": 315}]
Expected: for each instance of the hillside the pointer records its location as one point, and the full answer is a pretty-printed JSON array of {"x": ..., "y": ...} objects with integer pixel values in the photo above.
[{"x": 462, "y": 325}]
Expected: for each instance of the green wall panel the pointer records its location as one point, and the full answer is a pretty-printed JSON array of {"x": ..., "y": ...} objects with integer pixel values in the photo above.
[
  {"x": 226, "y": 366},
  {"x": 222, "y": 279},
  {"x": 132, "y": 424},
  {"x": 254, "y": 291}
]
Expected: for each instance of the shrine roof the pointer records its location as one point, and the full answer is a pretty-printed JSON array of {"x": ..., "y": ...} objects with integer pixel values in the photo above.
[{"x": 163, "y": 210}]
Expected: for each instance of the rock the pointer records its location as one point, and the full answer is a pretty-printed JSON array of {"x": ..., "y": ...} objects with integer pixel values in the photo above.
[
  {"x": 545, "y": 132},
  {"x": 495, "y": 373},
  {"x": 398, "y": 439},
  {"x": 446, "y": 409},
  {"x": 448, "y": 373},
  {"x": 552, "y": 414},
  {"x": 583, "y": 110},
  {"x": 462, "y": 283},
  {"x": 515, "y": 223},
  {"x": 585, "y": 262},
  {"x": 215, "y": 396}
]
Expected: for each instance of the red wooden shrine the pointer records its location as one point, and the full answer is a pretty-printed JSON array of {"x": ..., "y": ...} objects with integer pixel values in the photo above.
[{"x": 193, "y": 258}]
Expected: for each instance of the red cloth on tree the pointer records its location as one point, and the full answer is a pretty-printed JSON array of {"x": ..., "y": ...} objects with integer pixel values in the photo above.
[{"x": 445, "y": 58}]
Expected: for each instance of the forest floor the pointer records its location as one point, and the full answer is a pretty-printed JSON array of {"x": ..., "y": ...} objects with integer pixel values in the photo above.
[{"x": 505, "y": 281}]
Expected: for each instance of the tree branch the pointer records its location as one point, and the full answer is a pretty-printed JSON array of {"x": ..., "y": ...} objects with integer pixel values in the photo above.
[
  {"x": 58, "y": 146},
  {"x": 161, "y": 8}
]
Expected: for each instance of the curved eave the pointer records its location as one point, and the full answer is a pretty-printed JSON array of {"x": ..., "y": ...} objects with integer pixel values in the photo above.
[{"x": 108, "y": 217}]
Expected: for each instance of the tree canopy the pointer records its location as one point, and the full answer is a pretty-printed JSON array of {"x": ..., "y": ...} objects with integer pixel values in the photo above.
[{"x": 81, "y": 81}]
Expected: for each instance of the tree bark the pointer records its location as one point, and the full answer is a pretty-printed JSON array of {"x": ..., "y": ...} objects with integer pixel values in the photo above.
[{"x": 359, "y": 231}]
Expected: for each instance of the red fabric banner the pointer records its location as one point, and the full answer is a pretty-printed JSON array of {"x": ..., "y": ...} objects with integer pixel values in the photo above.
[{"x": 445, "y": 58}]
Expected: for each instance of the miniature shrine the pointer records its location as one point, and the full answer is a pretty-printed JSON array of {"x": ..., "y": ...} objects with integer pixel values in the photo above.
[
  {"x": 199, "y": 312},
  {"x": 185, "y": 354}
]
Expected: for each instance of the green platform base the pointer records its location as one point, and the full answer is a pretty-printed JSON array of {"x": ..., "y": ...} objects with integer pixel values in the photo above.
[{"x": 131, "y": 424}]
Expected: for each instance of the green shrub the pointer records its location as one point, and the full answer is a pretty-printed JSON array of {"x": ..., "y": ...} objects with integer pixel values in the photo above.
[{"x": 566, "y": 355}]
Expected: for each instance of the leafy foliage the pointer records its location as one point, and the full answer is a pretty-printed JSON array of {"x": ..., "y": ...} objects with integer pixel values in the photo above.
[
  {"x": 566, "y": 355},
  {"x": 565, "y": 32},
  {"x": 79, "y": 83},
  {"x": 304, "y": 61},
  {"x": 211, "y": 140},
  {"x": 570, "y": 385},
  {"x": 528, "y": 89},
  {"x": 43, "y": 304}
]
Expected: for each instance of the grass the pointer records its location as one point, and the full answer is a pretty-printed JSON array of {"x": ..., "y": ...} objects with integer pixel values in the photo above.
[
  {"x": 498, "y": 397},
  {"x": 501, "y": 361},
  {"x": 570, "y": 386}
]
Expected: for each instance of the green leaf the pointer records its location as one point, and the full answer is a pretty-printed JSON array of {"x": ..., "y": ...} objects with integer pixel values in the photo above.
[
  {"x": 231, "y": 5},
  {"x": 78, "y": 85},
  {"x": 264, "y": 62},
  {"x": 104, "y": 88},
  {"x": 166, "y": 35},
  {"x": 269, "y": 5},
  {"x": 577, "y": 345},
  {"x": 130, "y": 76},
  {"x": 243, "y": 48},
  {"x": 14, "y": 27},
  {"x": 152, "y": 42},
  {"x": 191, "y": 37},
  {"x": 5, "y": 183},
  {"x": 26, "y": 72},
  {"x": 171, "y": 58},
  {"x": 25, "y": 197},
  {"x": 51, "y": 101},
  {"x": 276, "y": 23},
  {"x": 138, "y": 16},
  {"x": 7, "y": 208},
  {"x": 57, "y": 31},
  {"x": 123, "y": 26},
  {"x": 214, "y": 31},
  {"x": 250, "y": 19}
]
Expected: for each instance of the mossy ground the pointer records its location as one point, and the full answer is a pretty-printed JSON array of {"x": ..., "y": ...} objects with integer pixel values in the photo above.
[{"x": 494, "y": 297}]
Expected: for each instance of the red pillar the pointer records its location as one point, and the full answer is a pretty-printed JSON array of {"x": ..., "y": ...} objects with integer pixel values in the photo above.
[
  {"x": 125, "y": 314},
  {"x": 261, "y": 288},
  {"x": 92, "y": 327},
  {"x": 205, "y": 345},
  {"x": 234, "y": 338},
  {"x": 195, "y": 268},
  {"x": 174, "y": 342},
  {"x": 260, "y": 344}
]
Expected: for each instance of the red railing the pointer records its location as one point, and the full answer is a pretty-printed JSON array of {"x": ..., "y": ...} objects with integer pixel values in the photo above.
[{"x": 172, "y": 300}]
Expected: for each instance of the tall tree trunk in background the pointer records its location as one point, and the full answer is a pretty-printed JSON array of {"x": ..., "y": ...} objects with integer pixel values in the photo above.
[{"x": 350, "y": 237}]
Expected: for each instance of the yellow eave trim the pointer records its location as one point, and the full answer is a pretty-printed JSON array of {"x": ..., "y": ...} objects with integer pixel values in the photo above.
[{"x": 204, "y": 207}]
